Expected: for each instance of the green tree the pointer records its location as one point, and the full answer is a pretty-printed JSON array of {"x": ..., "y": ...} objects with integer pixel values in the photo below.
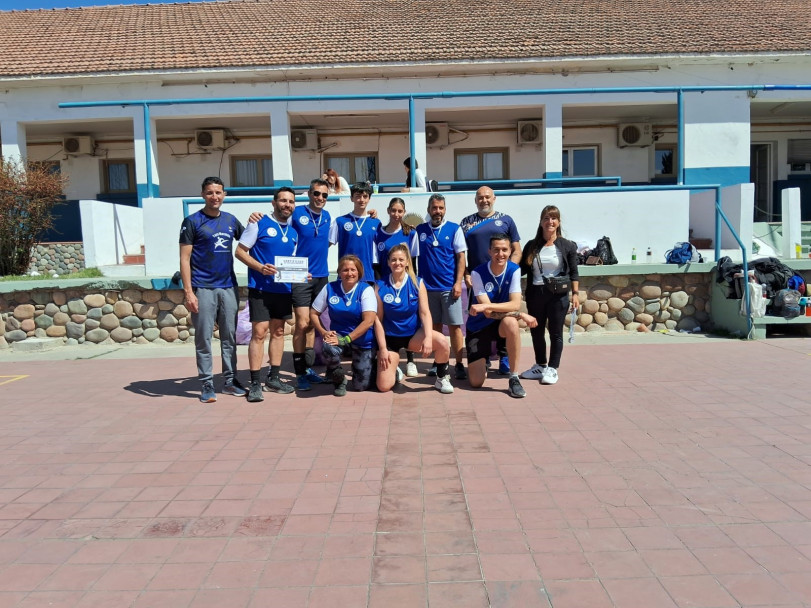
[{"x": 28, "y": 194}]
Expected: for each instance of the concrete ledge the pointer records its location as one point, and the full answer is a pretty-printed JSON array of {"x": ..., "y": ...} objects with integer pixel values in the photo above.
[{"x": 30, "y": 345}]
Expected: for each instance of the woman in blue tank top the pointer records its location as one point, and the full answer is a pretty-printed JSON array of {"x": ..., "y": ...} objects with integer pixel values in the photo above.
[{"x": 404, "y": 321}]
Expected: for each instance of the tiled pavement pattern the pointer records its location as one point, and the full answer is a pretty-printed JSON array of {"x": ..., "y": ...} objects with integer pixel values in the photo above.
[{"x": 650, "y": 476}]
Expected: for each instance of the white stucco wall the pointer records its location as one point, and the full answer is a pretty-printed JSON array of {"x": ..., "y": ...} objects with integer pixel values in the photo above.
[{"x": 110, "y": 232}]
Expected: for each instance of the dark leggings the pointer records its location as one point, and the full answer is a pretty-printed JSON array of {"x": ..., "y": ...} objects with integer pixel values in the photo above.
[{"x": 547, "y": 309}]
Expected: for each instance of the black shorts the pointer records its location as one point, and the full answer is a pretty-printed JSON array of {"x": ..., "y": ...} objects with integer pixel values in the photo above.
[
  {"x": 395, "y": 343},
  {"x": 479, "y": 344},
  {"x": 304, "y": 294},
  {"x": 265, "y": 306}
]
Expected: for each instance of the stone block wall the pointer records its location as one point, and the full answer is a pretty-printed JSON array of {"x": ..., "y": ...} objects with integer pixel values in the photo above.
[
  {"x": 59, "y": 258},
  {"x": 644, "y": 302},
  {"x": 108, "y": 316}
]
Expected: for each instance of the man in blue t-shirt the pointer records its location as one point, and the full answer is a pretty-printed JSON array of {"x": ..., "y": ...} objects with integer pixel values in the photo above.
[
  {"x": 479, "y": 228},
  {"x": 313, "y": 224},
  {"x": 270, "y": 301},
  {"x": 210, "y": 286},
  {"x": 494, "y": 314},
  {"x": 442, "y": 267},
  {"x": 355, "y": 232}
]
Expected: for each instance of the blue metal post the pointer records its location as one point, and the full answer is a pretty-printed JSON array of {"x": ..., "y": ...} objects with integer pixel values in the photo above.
[{"x": 411, "y": 147}]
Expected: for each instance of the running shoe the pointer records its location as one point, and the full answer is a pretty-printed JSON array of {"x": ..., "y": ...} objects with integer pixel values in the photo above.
[
  {"x": 443, "y": 385},
  {"x": 411, "y": 370},
  {"x": 255, "y": 393},
  {"x": 535, "y": 372},
  {"x": 461, "y": 374},
  {"x": 207, "y": 394},
  {"x": 550, "y": 376},
  {"x": 277, "y": 385},
  {"x": 234, "y": 388},
  {"x": 504, "y": 366},
  {"x": 516, "y": 390},
  {"x": 313, "y": 377}
]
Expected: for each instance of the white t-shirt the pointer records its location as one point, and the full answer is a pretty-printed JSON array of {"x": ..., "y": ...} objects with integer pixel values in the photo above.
[{"x": 552, "y": 261}]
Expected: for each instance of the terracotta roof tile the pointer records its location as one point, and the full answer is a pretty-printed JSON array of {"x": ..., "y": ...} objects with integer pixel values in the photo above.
[{"x": 271, "y": 33}]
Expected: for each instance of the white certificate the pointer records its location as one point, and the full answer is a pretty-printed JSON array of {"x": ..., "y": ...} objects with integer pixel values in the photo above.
[{"x": 291, "y": 269}]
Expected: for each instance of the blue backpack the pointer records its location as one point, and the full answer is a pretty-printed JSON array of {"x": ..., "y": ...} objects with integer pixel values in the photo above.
[{"x": 683, "y": 253}]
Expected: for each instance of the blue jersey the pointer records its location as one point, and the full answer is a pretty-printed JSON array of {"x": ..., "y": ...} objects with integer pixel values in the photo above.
[
  {"x": 400, "y": 307},
  {"x": 268, "y": 240},
  {"x": 346, "y": 313},
  {"x": 362, "y": 245},
  {"x": 212, "y": 239},
  {"x": 478, "y": 231},
  {"x": 313, "y": 244},
  {"x": 497, "y": 290},
  {"x": 385, "y": 241},
  {"x": 437, "y": 251}
]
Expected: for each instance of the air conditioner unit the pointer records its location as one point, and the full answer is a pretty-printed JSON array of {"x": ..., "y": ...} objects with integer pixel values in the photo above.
[
  {"x": 210, "y": 139},
  {"x": 530, "y": 132},
  {"x": 436, "y": 134},
  {"x": 634, "y": 134},
  {"x": 304, "y": 139},
  {"x": 78, "y": 144}
]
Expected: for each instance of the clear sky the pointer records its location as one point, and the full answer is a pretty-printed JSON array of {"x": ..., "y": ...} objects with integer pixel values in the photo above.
[{"x": 8, "y": 5}]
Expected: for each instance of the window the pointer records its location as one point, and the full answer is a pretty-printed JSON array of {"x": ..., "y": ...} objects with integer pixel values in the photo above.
[
  {"x": 119, "y": 175},
  {"x": 251, "y": 171},
  {"x": 354, "y": 168},
  {"x": 580, "y": 162},
  {"x": 51, "y": 166},
  {"x": 665, "y": 161},
  {"x": 485, "y": 163}
]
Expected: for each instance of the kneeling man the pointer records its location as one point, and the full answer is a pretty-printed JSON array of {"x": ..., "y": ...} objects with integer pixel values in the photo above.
[{"x": 495, "y": 313}]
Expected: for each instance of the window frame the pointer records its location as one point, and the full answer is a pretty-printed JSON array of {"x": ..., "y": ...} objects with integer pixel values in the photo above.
[
  {"x": 259, "y": 160},
  {"x": 674, "y": 150},
  {"x": 569, "y": 165},
  {"x": 480, "y": 152},
  {"x": 106, "y": 163},
  {"x": 351, "y": 156}
]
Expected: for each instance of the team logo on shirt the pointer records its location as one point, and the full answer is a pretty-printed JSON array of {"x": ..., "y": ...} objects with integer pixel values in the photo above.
[
  {"x": 488, "y": 286},
  {"x": 221, "y": 243},
  {"x": 381, "y": 246},
  {"x": 348, "y": 226},
  {"x": 499, "y": 223},
  {"x": 303, "y": 220},
  {"x": 423, "y": 236},
  {"x": 334, "y": 300},
  {"x": 271, "y": 231},
  {"x": 388, "y": 298}
]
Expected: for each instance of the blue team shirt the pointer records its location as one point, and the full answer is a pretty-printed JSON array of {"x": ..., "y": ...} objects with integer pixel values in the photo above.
[
  {"x": 497, "y": 290},
  {"x": 346, "y": 314},
  {"x": 270, "y": 243},
  {"x": 400, "y": 319},
  {"x": 437, "y": 265},
  {"x": 385, "y": 241},
  {"x": 478, "y": 231},
  {"x": 363, "y": 246},
  {"x": 313, "y": 231},
  {"x": 212, "y": 240}
]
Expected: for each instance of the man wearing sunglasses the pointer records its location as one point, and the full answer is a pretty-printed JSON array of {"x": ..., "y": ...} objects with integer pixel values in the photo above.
[{"x": 313, "y": 224}]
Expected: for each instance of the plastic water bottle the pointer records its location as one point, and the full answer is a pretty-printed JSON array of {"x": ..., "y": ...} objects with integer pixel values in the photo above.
[
  {"x": 374, "y": 188},
  {"x": 649, "y": 256},
  {"x": 633, "y": 255}
]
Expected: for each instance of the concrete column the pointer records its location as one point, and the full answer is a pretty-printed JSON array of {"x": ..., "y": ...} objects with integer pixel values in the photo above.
[
  {"x": 790, "y": 201},
  {"x": 420, "y": 152},
  {"x": 553, "y": 138},
  {"x": 716, "y": 138},
  {"x": 12, "y": 134},
  {"x": 141, "y": 165},
  {"x": 280, "y": 145}
]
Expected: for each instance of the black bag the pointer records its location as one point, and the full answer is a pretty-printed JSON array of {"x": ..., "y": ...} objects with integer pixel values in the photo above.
[
  {"x": 604, "y": 251},
  {"x": 557, "y": 286}
]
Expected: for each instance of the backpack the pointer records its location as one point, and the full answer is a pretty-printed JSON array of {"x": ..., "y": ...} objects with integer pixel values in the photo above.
[
  {"x": 683, "y": 253},
  {"x": 797, "y": 283}
]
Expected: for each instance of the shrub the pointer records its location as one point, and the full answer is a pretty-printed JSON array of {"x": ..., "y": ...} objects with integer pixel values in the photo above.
[{"x": 28, "y": 194}]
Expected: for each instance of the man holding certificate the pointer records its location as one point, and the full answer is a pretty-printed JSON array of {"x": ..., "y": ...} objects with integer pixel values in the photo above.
[{"x": 268, "y": 249}]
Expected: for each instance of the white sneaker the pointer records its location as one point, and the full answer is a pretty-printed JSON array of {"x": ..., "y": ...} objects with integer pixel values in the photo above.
[
  {"x": 443, "y": 385},
  {"x": 550, "y": 376},
  {"x": 535, "y": 372},
  {"x": 398, "y": 376},
  {"x": 411, "y": 370}
]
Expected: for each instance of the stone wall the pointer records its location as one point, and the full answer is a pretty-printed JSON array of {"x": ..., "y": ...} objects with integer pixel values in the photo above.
[
  {"x": 58, "y": 258},
  {"x": 642, "y": 302}
]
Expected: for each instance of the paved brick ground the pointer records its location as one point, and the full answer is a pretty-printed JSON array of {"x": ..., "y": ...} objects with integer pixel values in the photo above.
[{"x": 651, "y": 476}]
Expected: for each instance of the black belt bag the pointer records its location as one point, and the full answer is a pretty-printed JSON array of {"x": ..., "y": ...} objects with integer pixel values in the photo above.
[{"x": 557, "y": 286}]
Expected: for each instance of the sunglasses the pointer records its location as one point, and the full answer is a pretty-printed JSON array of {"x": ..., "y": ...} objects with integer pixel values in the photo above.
[{"x": 318, "y": 194}]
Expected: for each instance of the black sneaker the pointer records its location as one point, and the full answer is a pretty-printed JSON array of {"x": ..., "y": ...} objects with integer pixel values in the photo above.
[
  {"x": 516, "y": 390},
  {"x": 461, "y": 374},
  {"x": 255, "y": 393},
  {"x": 277, "y": 385},
  {"x": 338, "y": 377}
]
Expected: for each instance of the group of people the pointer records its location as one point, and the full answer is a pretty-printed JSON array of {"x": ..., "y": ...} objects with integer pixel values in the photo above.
[{"x": 397, "y": 287}]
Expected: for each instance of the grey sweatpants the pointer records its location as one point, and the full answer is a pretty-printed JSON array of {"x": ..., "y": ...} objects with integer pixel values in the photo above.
[{"x": 220, "y": 306}]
